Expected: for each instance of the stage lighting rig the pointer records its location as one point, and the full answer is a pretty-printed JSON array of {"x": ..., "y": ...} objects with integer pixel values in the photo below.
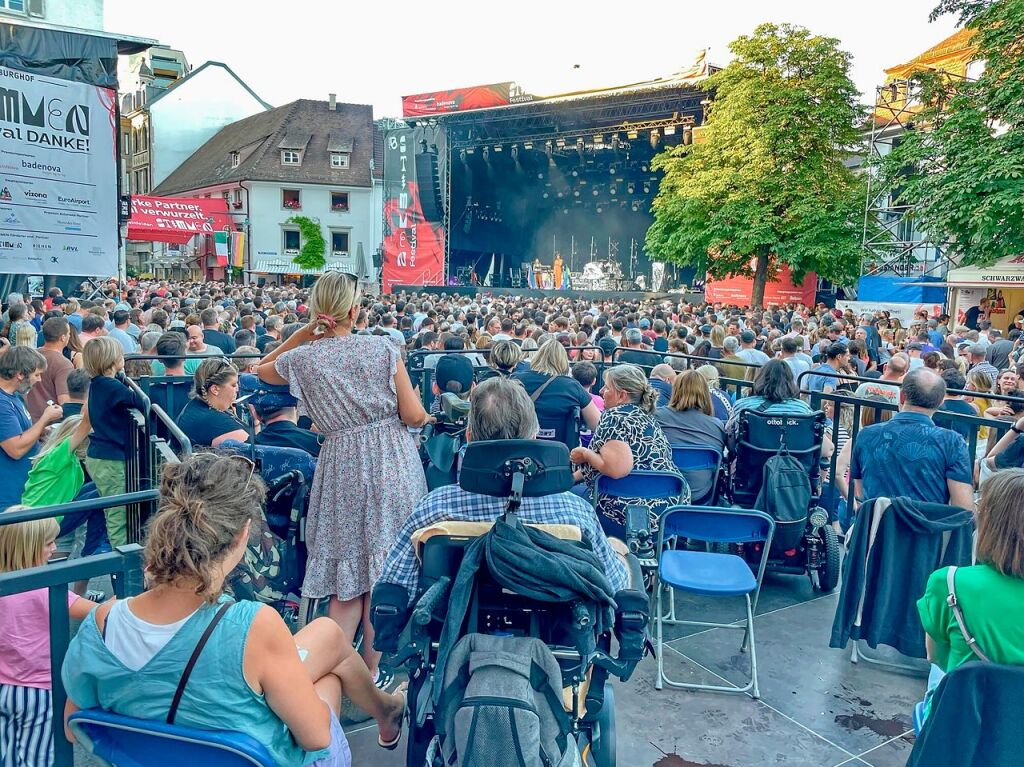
[
  {"x": 527, "y": 145},
  {"x": 515, "y": 153},
  {"x": 655, "y": 138},
  {"x": 486, "y": 154}
]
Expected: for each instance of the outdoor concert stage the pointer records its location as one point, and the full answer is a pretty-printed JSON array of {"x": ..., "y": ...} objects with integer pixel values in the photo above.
[{"x": 501, "y": 179}]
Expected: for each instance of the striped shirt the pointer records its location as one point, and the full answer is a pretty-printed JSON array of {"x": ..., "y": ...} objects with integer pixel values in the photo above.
[{"x": 451, "y": 503}]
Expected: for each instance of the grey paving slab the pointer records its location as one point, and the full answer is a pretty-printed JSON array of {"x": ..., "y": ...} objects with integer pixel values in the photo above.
[
  {"x": 895, "y": 753},
  {"x": 856, "y": 707},
  {"x": 365, "y": 751}
]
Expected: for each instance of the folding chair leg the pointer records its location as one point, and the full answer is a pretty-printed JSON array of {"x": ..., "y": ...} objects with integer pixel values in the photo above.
[
  {"x": 671, "y": 603},
  {"x": 749, "y": 634},
  {"x": 659, "y": 648}
]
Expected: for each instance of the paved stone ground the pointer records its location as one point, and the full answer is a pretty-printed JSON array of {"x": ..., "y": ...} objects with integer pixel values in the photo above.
[{"x": 817, "y": 709}]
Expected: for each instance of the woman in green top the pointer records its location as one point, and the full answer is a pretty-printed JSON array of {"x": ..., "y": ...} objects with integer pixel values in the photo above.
[
  {"x": 990, "y": 593},
  {"x": 57, "y": 477}
]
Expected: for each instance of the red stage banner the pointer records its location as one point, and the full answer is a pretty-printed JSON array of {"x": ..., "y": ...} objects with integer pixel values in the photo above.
[
  {"x": 413, "y": 246},
  {"x": 176, "y": 219},
  {"x": 456, "y": 100},
  {"x": 738, "y": 290}
]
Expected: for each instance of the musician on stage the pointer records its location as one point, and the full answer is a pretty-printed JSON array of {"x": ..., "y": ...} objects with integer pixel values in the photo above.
[{"x": 558, "y": 270}]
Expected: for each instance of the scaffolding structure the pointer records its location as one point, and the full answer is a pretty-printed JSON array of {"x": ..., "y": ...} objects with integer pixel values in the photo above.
[{"x": 893, "y": 241}]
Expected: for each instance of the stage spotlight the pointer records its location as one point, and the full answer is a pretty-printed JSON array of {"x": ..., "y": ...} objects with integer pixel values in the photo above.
[
  {"x": 598, "y": 138},
  {"x": 470, "y": 150},
  {"x": 598, "y": 208},
  {"x": 565, "y": 211},
  {"x": 655, "y": 138},
  {"x": 560, "y": 143},
  {"x": 527, "y": 145},
  {"x": 630, "y": 188},
  {"x": 462, "y": 155},
  {"x": 497, "y": 147},
  {"x": 687, "y": 135},
  {"x": 635, "y": 207},
  {"x": 549, "y": 152},
  {"x": 540, "y": 175},
  {"x": 486, "y": 154},
  {"x": 615, "y": 141},
  {"x": 612, "y": 191},
  {"x": 576, "y": 193},
  {"x": 611, "y": 169},
  {"x": 631, "y": 134},
  {"x": 643, "y": 168},
  {"x": 575, "y": 172},
  {"x": 515, "y": 153},
  {"x": 545, "y": 195},
  {"x": 670, "y": 130},
  {"x": 647, "y": 188},
  {"x": 595, "y": 192}
]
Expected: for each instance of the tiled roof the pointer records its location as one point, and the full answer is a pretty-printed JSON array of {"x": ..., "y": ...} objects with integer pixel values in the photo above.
[{"x": 259, "y": 139}]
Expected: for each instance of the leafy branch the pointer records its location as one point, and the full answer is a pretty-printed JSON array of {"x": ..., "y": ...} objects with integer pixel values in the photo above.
[{"x": 314, "y": 246}]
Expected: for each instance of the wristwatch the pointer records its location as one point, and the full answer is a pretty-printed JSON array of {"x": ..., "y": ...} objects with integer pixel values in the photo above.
[{"x": 1015, "y": 430}]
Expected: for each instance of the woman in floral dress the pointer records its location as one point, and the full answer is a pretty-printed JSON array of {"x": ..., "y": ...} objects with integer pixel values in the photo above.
[{"x": 369, "y": 477}]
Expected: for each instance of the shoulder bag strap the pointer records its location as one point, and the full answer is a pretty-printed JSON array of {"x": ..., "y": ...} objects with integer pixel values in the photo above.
[
  {"x": 192, "y": 661},
  {"x": 958, "y": 613},
  {"x": 540, "y": 389}
]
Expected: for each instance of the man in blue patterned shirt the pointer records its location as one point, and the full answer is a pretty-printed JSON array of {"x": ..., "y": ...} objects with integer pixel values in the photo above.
[
  {"x": 500, "y": 409},
  {"x": 909, "y": 455}
]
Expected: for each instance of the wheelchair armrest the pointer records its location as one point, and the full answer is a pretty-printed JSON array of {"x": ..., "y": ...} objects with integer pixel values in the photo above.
[
  {"x": 638, "y": 532},
  {"x": 389, "y": 613},
  {"x": 632, "y": 614}
]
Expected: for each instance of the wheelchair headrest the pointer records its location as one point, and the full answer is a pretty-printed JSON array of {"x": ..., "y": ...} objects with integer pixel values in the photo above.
[
  {"x": 765, "y": 430},
  {"x": 488, "y": 467}
]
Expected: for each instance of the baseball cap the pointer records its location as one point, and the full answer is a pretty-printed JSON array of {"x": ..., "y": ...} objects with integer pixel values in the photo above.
[
  {"x": 263, "y": 396},
  {"x": 705, "y": 329},
  {"x": 454, "y": 373},
  {"x": 645, "y": 323},
  {"x": 748, "y": 337}
]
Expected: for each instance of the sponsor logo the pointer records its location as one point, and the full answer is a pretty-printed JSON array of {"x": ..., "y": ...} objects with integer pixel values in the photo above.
[
  {"x": 70, "y": 248},
  {"x": 36, "y": 195},
  {"x": 71, "y": 200},
  {"x": 8, "y": 245},
  {"x": 12, "y": 219},
  {"x": 5, "y": 194},
  {"x": 73, "y": 228}
]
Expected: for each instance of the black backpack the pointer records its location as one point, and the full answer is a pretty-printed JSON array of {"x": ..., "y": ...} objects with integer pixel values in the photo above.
[{"x": 785, "y": 495}]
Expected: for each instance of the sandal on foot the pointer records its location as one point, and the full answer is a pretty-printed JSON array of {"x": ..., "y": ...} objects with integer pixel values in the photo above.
[{"x": 391, "y": 745}]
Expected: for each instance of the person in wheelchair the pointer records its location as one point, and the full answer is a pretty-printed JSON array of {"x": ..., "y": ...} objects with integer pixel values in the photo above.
[
  {"x": 453, "y": 373},
  {"x": 275, "y": 409},
  {"x": 500, "y": 409}
]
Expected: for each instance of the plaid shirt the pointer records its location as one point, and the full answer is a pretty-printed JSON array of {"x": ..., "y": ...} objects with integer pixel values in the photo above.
[{"x": 452, "y": 503}]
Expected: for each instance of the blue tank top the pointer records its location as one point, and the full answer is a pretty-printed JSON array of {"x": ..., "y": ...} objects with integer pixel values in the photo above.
[{"x": 217, "y": 696}]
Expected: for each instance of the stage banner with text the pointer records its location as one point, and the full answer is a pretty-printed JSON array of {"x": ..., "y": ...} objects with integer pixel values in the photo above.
[
  {"x": 177, "y": 219},
  {"x": 456, "y": 100},
  {"x": 58, "y": 177},
  {"x": 413, "y": 247},
  {"x": 782, "y": 290}
]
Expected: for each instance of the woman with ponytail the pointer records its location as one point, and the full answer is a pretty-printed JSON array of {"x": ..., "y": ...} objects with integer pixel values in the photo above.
[
  {"x": 250, "y": 675},
  {"x": 628, "y": 438},
  {"x": 369, "y": 476}
]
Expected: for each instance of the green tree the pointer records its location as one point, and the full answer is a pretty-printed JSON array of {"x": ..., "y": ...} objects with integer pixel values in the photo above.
[
  {"x": 767, "y": 184},
  {"x": 962, "y": 171}
]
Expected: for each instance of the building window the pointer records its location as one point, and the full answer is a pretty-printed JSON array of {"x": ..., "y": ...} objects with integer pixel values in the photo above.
[
  {"x": 290, "y": 157},
  {"x": 339, "y": 202},
  {"x": 339, "y": 243},
  {"x": 13, "y": 5},
  {"x": 291, "y": 241},
  {"x": 339, "y": 160},
  {"x": 290, "y": 198},
  {"x": 236, "y": 158}
]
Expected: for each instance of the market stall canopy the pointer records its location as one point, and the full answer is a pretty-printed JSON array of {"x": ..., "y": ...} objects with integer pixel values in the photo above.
[
  {"x": 1006, "y": 271},
  {"x": 177, "y": 219}
]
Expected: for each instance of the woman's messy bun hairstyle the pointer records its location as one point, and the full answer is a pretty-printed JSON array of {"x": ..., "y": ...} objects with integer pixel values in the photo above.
[{"x": 205, "y": 502}]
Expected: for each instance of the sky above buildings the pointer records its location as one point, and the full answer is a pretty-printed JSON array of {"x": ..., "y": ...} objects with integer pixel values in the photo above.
[{"x": 376, "y": 52}]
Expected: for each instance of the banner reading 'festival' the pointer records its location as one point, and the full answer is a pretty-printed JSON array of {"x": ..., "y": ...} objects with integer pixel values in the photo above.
[{"x": 413, "y": 247}]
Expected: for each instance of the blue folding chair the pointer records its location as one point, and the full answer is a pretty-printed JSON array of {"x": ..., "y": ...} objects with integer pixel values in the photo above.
[
  {"x": 711, "y": 574},
  {"x": 125, "y": 741},
  {"x": 690, "y": 459}
]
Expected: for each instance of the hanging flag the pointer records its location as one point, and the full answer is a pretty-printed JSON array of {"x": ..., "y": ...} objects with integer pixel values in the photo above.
[
  {"x": 238, "y": 249},
  {"x": 220, "y": 243}
]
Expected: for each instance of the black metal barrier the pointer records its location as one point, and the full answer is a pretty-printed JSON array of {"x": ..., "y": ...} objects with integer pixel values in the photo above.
[{"x": 125, "y": 562}]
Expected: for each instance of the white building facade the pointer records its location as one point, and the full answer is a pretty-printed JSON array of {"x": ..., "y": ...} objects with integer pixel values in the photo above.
[{"x": 83, "y": 14}]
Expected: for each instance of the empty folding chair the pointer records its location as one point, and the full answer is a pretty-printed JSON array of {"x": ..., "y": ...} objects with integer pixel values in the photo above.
[
  {"x": 698, "y": 464},
  {"x": 711, "y": 574}
]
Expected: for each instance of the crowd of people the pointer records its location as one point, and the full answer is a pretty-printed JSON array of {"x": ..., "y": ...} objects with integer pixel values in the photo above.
[{"x": 342, "y": 375}]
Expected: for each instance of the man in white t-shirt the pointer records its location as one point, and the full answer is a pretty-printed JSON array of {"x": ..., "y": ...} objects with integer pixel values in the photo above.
[{"x": 888, "y": 386}]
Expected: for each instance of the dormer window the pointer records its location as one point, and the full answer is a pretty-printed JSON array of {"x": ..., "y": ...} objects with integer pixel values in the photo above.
[
  {"x": 236, "y": 158},
  {"x": 291, "y": 157},
  {"x": 339, "y": 160}
]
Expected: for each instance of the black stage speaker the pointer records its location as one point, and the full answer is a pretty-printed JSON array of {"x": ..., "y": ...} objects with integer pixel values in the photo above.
[{"x": 430, "y": 186}]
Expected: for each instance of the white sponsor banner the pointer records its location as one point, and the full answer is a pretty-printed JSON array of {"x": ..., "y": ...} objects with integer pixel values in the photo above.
[
  {"x": 58, "y": 176},
  {"x": 903, "y": 312}
]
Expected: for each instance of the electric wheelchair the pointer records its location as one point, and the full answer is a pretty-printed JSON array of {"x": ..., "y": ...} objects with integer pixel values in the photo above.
[
  {"x": 579, "y": 638},
  {"x": 806, "y": 544}
]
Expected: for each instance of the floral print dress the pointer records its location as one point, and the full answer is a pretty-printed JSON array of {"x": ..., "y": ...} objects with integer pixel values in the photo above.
[{"x": 651, "y": 452}]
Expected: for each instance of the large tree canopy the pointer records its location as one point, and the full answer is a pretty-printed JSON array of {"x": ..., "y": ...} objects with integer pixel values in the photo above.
[
  {"x": 766, "y": 183},
  {"x": 963, "y": 170}
]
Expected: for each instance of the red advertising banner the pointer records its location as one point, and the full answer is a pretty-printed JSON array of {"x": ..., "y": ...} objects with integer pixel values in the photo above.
[
  {"x": 738, "y": 290},
  {"x": 176, "y": 219},
  {"x": 413, "y": 247},
  {"x": 456, "y": 100}
]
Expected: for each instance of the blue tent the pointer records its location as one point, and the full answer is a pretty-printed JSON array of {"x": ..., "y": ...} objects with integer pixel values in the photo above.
[{"x": 892, "y": 289}]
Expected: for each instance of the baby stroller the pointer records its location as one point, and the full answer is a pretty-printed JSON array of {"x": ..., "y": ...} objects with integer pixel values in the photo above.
[
  {"x": 804, "y": 542},
  {"x": 470, "y": 628}
]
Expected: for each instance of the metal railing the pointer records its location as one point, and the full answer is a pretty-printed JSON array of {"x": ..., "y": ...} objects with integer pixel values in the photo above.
[{"x": 124, "y": 564}]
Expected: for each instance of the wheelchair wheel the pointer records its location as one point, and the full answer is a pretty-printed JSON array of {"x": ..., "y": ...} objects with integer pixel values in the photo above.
[
  {"x": 602, "y": 739},
  {"x": 828, "y": 569},
  {"x": 310, "y": 609}
]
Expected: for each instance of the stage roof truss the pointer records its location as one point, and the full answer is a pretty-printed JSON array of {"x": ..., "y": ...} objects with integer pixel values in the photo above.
[{"x": 585, "y": 133}]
